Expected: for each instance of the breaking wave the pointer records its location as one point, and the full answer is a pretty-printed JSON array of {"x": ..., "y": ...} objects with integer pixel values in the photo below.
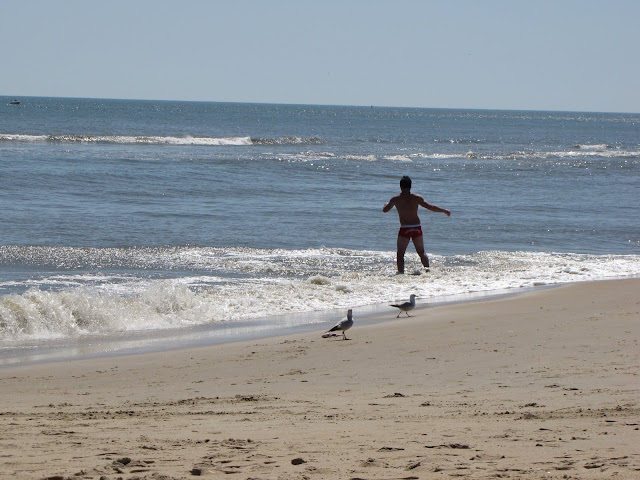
[
  {"x": 230, "y": 285},
  {"x": 156, "y": 140},
  {"x": 573, "y": 152},
  {"x": 286, "y": 141}
]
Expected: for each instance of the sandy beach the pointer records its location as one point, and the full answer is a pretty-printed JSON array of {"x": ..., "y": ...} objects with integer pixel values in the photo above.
[{"x": 541, "y": 385}]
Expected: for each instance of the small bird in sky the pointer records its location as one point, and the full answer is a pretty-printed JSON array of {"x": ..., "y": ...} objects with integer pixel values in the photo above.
[
  {"x": 406, "y": 307},
  {"x": 342, "y": 326}
]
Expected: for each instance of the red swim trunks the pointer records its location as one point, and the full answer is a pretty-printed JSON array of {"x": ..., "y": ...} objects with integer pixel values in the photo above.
[{"x": 410, "y": 231}]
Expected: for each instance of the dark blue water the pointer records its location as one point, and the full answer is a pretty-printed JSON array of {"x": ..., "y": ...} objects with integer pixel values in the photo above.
[{"x": 125, "y": 173}]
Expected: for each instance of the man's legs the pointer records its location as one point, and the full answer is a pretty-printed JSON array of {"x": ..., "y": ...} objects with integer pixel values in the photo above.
[
  {"x": 418, "y": 242},
  {"x": 403, "y": 243}
]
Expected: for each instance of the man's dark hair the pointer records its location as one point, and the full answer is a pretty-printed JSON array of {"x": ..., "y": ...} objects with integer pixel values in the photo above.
[{"x": 405, "y": 182}]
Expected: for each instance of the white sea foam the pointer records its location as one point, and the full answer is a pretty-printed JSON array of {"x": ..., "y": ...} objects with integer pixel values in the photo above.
[
  {"x": 126, "y": 139},
  {"x": 156, "y": 140},
  {"x": 576, "y": 151},
  {"x": 598, "y": 146},
  {"x": 399, "y": 158},
  {"x": 275, "y": 282},
  {"x": 361, "y": 158}
]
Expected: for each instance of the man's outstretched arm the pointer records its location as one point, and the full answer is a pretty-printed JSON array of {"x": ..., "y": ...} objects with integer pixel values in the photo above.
[
  {"x": 434, "y": 208},
  {"x": 388, "y": 206}
]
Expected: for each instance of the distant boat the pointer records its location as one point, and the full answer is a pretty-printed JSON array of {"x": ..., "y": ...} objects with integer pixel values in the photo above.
[{"x": 14, "y": 102}]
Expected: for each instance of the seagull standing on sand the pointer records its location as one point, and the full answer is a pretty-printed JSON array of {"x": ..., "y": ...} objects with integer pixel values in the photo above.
[
  {"x": 406, "y": 307},
  {"x": 342, "y": 326}
]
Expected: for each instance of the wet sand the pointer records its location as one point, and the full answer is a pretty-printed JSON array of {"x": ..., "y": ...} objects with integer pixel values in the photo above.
[{"x": 541, "y": 385}]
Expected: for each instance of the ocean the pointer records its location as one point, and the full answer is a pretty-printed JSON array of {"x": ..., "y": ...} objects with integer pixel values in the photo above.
[{"x": 132, "y": 225}]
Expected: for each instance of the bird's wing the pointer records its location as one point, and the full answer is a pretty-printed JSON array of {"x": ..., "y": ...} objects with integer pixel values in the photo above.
[{"x": 338, "y": 326}]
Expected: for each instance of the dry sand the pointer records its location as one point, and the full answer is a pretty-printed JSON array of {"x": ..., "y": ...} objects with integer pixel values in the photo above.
[{"x": 540, "y": 385}]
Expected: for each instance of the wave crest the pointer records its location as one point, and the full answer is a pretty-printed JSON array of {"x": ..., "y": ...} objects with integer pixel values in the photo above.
[
  {"x": 286, "y": 141},
  {"x": 156, "y": 140},
  {"x": 81, "y": 311},
  {"x": 239, "y": 284}
]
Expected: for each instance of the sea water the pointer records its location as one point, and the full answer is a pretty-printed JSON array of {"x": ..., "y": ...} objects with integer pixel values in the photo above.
[{"x": 141, "y": 224}]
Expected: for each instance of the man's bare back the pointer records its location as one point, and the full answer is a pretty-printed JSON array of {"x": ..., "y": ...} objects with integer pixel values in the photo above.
[{"x": 407, "y": 204}]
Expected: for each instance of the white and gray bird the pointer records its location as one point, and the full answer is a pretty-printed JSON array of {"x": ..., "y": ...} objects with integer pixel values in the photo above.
[
  {"x": 406, "y": 307},
  {"x": 342, "y": 326}
]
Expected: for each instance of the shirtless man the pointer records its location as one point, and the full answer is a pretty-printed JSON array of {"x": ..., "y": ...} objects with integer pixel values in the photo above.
[{"x": 407, "y": 205}]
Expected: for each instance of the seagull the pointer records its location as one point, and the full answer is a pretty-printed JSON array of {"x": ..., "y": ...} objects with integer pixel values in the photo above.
[
  {"x": 343, "y": 325},
  {"x": 406, "y": 307}
]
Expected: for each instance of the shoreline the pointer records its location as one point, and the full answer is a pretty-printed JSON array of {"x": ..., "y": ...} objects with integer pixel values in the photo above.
[
  {"x": 149, "y": 341},
  {"x": 542, "y": 385}
]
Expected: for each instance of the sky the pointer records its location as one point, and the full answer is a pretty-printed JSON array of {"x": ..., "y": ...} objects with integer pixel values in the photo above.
[{"x": 569, "y": 55}]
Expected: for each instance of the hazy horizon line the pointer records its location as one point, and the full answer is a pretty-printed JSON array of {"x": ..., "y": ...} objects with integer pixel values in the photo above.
[{"x": 18, "y": 97}]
